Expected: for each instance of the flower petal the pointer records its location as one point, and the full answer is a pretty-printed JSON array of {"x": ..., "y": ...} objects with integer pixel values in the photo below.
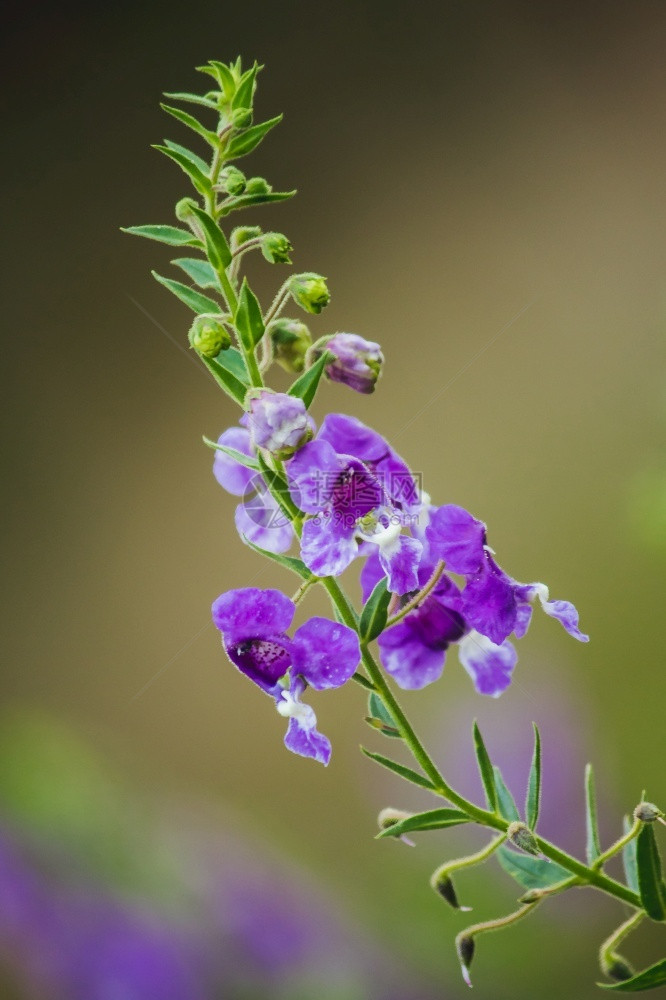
[
  {"x": 230, "y": 474},
  {"x": 261, "y": 521},
  {"x": 410, "y": 662},
  {"x": 327, "y": 548},
  {"x": 401, "y": 562},
  {"x": 489, "y": 665},
  {"x": 250, "y": 613},
  {"x": 457, "y": 537},
  {"x": 325, "y": 653},
  {"x": 312, "y": 475},
  {"x": 490, "y": 603},
  {"x": 307, "y": 742},
  {"x": 349, "y": 436}
]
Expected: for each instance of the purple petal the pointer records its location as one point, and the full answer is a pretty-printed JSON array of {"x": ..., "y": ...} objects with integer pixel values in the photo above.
[
  {"x": 348, "y": 436},
  {"x": 567, "y": 615},
  {"x": 490, "y": 603},
  {"x": 325, "y": 653},
  {"x": 229, "y": 473},
  {"x": 400, "y": 563},
  {"x": 411, "y": 663},
  {"x": 398, "y": 484},
  {"x": 262, "y": 522},
  {"x": 371, "y": 573},
  {"x": 490, "y": 666},
  {"x": 327, "y": 548},
  {"x": 523, "y": 619},
  {"x": 278, "y": 422},
  {"x": 312, "y": 474},
  {"x": 457, "y": 537},
  {"x": 307, "y": 742},
  {"x": 250, "y": 613}
]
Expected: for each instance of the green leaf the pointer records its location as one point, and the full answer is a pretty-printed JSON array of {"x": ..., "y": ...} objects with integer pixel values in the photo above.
[
  {"x": 404, "y": 772},
  {"x": 533, "y": 799},
  {"x": 245, "y": 91},
  {"x": 187, "y": 161},
  {"x": 195, "y": 300},
  {"x": 530, "y": 872},
  {"x": 238, "y": 456},
  {"x": 247, "y": 200},
  {"x": 191, "y": 122},
  {"x": 279, "y": 489},
  {"x": 232, "y": 360},
  {"x": 193, "y": 99},
  {"x": 648, "y": 979},
  {"x": 629, "y": 862},
  {"x": 375, "y": 612},
  {"x": 434, "y": 819},
  {"x": 507, "y": 806},
  {"x": 224, "y": 77},
  {"x": 249, "y": 138},
  {"x": 216, "y": 241},
  {"x": 485, "y": 768},
  {"x": 165, "y": 234},
  {"x": 189, "y": 154},
  {"x": 650, "y": 884},
  {"x": 287, "y": 562},
  {"x": 248, "y": 319},
  {"x": 592, "y": 844},
  {"x": 305, "y": 386},
  {"x": 226, "y": 379},
  {"x": 199, "y": 271},
  {"x": 380, "y": 717}
]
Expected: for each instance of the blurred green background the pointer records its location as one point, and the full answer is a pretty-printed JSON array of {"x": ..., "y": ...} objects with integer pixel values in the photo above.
[{"x": 483, "y": 185}]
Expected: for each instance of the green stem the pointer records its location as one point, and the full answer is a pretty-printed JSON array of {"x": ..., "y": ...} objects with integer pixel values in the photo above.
[
  {"x": 609, "y": 960},
  {"x": 618, "y": 845},
  {"x": 421, "y": 596}
]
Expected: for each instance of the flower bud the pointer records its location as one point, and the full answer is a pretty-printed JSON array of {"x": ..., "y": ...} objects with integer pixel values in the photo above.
[
  {"x": 389, "y": 817},
  {"x": 232, "y": 180},
  {"x": 522, "y": 837},
  {"x": 618, "y": 969},
  {"x": 258, "y": 185},
  {"x": 465, "y": 948},
  {"x": 208, "y": 336},
  {"x": 310, "y": 291},
  {"x": 647, "y": 812},
  {"x": 240, "y": 117},
  {"x": 241, "y": 234},
  {"x": 278, "y": 423},
  {"x": 291, "y": 340},
  {"x": 276, "y": 248},
  {"x": 357, "y": 361},
  {"x": 184, "y": 209}
]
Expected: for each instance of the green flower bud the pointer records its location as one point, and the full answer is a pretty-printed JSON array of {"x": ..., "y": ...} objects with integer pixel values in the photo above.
[
  {"x": 258, "y": 185},
  {"x": 389, "y": 817},
  {"x": 310, "y": 291},
  {"x": 184, "y": 209},
  {"x": 522, "y": 837},
  {"x": 241, "y": 117},
  {"x": 208, "y": 336},
  {"x": 647, "y": 812},
  {"x": 241, "y": 234},
  {"x": 276, "y": 248},
  {"x": 618, "y": 969},
  {"x": 465, "y": 948},
  {"x": 291, "y": 340},
  {"x": 232, "y": 180}
]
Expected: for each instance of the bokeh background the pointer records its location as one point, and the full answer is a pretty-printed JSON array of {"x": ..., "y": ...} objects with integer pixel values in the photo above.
[{"x": 483, "y": 185}]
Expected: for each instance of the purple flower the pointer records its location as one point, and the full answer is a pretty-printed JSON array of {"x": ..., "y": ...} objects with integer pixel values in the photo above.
[
  {"x": 322, "y": 654},
  {"x": 358, "y": 490},
  {"x": 278, "y": 422},
  {"x": 357, "y": 362}
]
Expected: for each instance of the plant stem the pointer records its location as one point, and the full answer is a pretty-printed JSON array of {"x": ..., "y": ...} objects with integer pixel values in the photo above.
[
  {"x": 421, "y": 596},
  {"x": 619, "y": 844}
]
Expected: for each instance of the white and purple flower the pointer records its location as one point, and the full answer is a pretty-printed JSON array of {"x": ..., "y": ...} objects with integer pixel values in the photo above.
[
  {"x": 322, "y": 654},
  {"x": 357, "y": 362}
]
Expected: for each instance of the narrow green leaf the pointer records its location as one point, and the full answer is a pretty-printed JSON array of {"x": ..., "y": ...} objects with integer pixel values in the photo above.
[
  {"x": 279, "y": 489},
  {"x": 375, "y": 612},
  {"x": 247, "y": 200},
  {"x": 404, "y": 772},
  {"x": 224, "y": 77},
  {"x": 248, "y": 319},
  {"x": 188, "y": 154},
  {"x": 249, "y": 138},
  {"x": 505, "y": 800},
  {"x": 232, "y": 360},
  {"x": 245, "y": 91},
  {"x": 199, "y": 271},
  {"x": 305, "y": 386},
  {"x": 528, "y": 871},
  {"x": 226, "y": 380},
  {"x": 434, "y": 819},
  {"x": 287, "y": 562},
  {"x": 165, "y": 234},
  {"x": 648, "y": 979},
  {"x": 238, "y": 456},
  {"x": 187, "y": 162},
  {"x": 533, "y": 798},
  {"x": 193, "y": 99},
  {"x": 216, "y": 242},
  {"x": 381, "y": 718},
  {"x": 193, "y": 123},
  {"x": 650, "y": 883},
  {"x": 592, "y": 844},
  {"x": 195, "y": 300},
  {"x": 485, "y": 768},
  {"x": 629, "y": 862}
]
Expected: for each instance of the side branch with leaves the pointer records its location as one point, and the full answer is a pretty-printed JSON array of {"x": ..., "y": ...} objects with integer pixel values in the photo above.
[{"x": 342, "y": 496}]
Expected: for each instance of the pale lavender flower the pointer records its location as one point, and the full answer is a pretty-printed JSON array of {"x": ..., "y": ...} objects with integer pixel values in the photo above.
[
  {"x": 357, "y": 362},
  {"x": 278, "y": 423}
]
